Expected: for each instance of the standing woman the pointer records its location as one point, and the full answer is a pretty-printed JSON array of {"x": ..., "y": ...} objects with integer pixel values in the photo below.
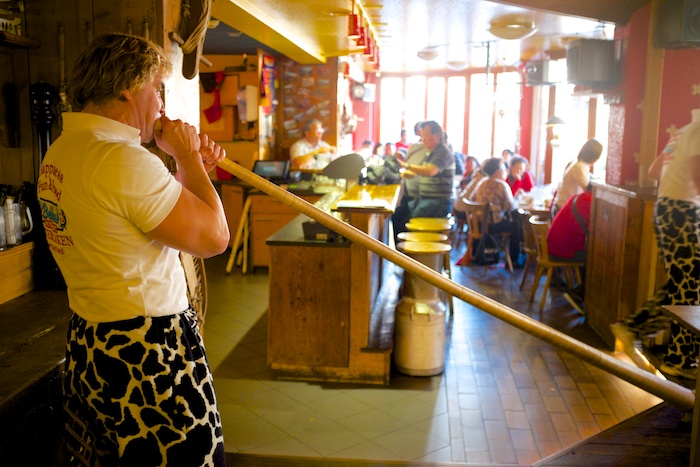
[
  {"x": 116, "y": 220},
  {"x": 677, "y": 222},
  {"x": 578, "y": 175}
]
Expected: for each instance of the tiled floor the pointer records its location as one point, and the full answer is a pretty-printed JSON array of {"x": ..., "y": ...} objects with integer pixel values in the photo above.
[{"x": 504, "y": 397}]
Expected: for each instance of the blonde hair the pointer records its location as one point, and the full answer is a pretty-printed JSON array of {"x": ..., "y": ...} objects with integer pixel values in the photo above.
[{"x": 112, "y": 64}]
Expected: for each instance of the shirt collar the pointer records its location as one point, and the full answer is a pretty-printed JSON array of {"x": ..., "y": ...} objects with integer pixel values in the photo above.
[{"x": 97, "y": 123}]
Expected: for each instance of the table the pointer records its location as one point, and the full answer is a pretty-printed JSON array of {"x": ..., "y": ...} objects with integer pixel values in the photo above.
[{"x": 689, "y": 316}]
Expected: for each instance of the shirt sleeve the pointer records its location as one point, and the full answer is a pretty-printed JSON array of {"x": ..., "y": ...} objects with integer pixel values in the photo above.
[{"x": 136, "y": 185}]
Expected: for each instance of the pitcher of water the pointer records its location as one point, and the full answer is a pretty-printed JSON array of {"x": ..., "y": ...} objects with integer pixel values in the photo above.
[{"x": 13, "y": 222}]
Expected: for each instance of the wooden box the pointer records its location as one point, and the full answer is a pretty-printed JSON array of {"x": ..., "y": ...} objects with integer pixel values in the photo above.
[{"x": 16, "y": 271}]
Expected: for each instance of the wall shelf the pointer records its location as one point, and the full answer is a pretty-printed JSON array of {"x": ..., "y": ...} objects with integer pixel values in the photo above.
[{"x": 13, "y": 40}]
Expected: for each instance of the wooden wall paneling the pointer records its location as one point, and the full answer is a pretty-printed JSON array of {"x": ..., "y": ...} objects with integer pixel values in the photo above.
[
  {"x": 125, "y": 16},
  {"x": 16, "y": 163},
  {"x": 308, "y": 331},
  {"x": 605, "y": 262},
  {"x": 43, "y": 19},
  {"x": 623, "y": 269}
]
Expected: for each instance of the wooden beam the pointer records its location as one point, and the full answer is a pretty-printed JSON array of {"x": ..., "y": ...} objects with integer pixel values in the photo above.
[
  {"x": 651, "y": 105},
  {"x": 264, "y": 27}
]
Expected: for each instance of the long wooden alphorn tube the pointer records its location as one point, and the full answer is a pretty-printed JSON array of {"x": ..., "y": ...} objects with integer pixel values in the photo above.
[{"x": 666, "y": 390}]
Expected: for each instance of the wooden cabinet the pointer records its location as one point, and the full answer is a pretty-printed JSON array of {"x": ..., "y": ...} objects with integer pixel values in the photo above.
[
  {"x": 323, "y": 320},
  {"x": 310, "y": 329},
  {"x": 623, "y": 268}
]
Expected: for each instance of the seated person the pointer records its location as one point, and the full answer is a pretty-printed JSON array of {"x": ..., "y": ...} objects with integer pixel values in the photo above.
[
  {"x": 465, "y": 191},
  {"x": 471, "y": 167},
  {"x": 403, "y": 144},
  {"x": 578, "y": 175},
  {"x": 495, "y": 191},
  {"x": 366, "y": 150},
  {"x": 311, "y": 152},
  {"x": 519, "y": 179},
  {"x": 389, "y": 151},
  {"x": 567, "y": 238}
]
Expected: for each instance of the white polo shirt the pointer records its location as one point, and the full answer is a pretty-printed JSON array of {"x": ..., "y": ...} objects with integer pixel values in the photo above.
[{"x": 99, "y": 191}]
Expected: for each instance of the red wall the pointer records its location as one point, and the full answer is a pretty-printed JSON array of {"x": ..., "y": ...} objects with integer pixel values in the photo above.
[
  {"x": 526, "y": 103},
  {"x": 680, "y": 93},
  {"x": 624, "y": 136}
]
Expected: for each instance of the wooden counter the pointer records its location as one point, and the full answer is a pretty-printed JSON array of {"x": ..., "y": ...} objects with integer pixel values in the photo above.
[
  {"x": 623, "y": 268},
  {"x": 321, "y": 299},
  {"x": 32, "y": 350}
]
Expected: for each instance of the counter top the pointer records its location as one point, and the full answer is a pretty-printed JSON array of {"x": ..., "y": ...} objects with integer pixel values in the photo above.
[
  {"x": 292, "y": 234},
  {"x": 32, "y": 340},
  {"x": 628, "y": 191},
  {"x": 369, "y": 199}
]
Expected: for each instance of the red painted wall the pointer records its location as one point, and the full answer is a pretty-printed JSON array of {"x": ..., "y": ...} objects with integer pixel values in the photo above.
[
  {"x": 680, "y": 93},
  {"x": 624, "y": 135}
]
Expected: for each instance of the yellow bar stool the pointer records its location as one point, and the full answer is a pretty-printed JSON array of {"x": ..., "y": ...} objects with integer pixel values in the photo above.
[
  {"x": 419, "y": 345},
  {"x": 422, "y": 237},
  {"x": 430, "y": 224},
  {"x": 424, "y": 226}
]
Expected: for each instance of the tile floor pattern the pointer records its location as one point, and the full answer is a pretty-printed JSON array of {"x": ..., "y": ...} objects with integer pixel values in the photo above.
[{"x": 504, "y": 398}]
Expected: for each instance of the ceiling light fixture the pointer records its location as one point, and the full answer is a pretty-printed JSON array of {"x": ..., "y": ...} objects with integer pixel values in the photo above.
[
  {"x": 457, "y": 65},
  {"x": 428, "y": 53},
  {"x": 555, "y": 121},
  {"x": 510, "y": 28}
]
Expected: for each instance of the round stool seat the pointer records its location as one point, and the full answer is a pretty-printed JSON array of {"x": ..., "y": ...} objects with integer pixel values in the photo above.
[
  {"x": 431, "y": 226},
  {"x": 437, "y": 220},
  {"x": 423, "y": 247},
  {"x": 422, "y": 237}
]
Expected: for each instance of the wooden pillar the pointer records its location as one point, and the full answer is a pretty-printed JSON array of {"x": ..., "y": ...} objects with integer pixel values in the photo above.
[{"x": 651, "y": 105}]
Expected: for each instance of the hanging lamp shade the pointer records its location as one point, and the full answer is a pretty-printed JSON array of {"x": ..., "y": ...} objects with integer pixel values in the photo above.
[
  {"x": 555, "y": 121},
  {"x": 354, "y": 26},
  {"x": 428, "y": 53},
  {"x": 362, "y": 40},
  {"x": 512, "y": 28},
  {"x": 368, "y": 48}
]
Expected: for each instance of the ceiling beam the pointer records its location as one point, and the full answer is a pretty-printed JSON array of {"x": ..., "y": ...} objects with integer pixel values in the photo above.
[
  {"x": 613, "y": 11},
  {"x": 246, "y": 17}
]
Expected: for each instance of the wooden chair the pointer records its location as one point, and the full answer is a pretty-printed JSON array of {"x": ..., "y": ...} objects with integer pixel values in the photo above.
[
  {"x": 528, "y": 244},
  {"x": 458, "y": 231},
  {"x": 476, "y": 213},
  {"x": 539, "y": 231}
]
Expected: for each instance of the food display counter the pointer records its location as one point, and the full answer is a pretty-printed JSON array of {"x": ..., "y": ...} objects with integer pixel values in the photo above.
[{"x": 322, "y": 295}]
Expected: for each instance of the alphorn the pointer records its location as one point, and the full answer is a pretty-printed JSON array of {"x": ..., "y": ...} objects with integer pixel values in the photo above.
[{"x": 666, "y": 390}]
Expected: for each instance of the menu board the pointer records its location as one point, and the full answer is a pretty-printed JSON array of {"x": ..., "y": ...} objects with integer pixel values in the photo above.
[{"x": 308, "y": 92}]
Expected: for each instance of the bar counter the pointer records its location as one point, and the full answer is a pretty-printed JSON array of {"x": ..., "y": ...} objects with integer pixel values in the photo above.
[{"x": 322, "y": 295}]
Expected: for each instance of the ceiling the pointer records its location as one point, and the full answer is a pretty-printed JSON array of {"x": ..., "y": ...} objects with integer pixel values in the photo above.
[{"x": 311, "y": 31}]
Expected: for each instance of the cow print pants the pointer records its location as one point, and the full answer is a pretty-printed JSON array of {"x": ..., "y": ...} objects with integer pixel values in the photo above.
[{"x": 145, "y": 387}]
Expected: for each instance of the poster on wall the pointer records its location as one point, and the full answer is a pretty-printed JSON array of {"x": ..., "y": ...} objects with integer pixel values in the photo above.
[
  {"x": 268, "y": 100},
  {"x": 308, "y": 92}
]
